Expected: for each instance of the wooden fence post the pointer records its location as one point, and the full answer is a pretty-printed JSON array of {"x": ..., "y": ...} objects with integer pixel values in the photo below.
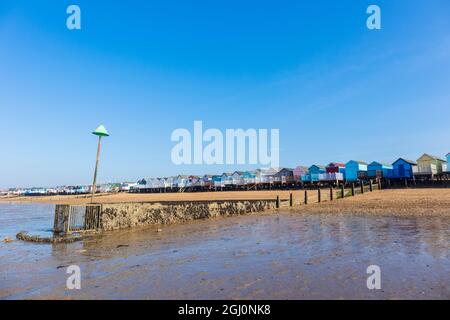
[
  {"x": 291, "y": 200},
  {"x": 331, "y": 194},
  {"x": 362, "y": 186},
  {"x": 278, "y": 202},
  {"x": 370, "y": 185},
  {"x": 306, "y": 196},
  {"x": 342, "y": 191},
  {"x": 319, "y": 195},
  {"x": 379, "y": 184},
  {"x": 353, "y": 189}
]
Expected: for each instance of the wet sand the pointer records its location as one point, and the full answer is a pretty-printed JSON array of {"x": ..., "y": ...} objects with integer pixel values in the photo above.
[
  {"x": 314, "y": 251},
  {"x": 426, "y": 202},
  {"x": 271, "y": 256}
]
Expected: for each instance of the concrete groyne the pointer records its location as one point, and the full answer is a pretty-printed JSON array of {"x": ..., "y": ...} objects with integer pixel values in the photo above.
[{"x": 114, "y": 216}]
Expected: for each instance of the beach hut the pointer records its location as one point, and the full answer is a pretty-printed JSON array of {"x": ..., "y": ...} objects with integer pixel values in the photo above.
[
  {"x": 194, "y": 181},
  {"x": 284, "y": 175},
  {"x": 430, "y": 165},
  {"x": 238, "y": 178},
  {"x": 227, "y": 179},
  {"x": 217, "y": 181},
  {"x": 207, "y": 180},
  {"x": 168, "y": 182},
  {"x": 355, "y": 170},
  {"x": 181, "y": 181},
  {"x": 335, "y": 167},
  {"x": 334, "y": 172},
  {"x": 249, "y": 177},
  {"x": 404, "y": 169},
  {"x": 448, "y": 162},
  {"x": 265, "y": 175},
  {"x": 314, "y": 171},
  {"x": 379, "y": 170},
  {"x": 299, "y": 171}
]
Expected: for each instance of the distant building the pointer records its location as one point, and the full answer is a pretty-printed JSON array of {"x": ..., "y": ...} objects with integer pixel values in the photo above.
[
  {"x": 430, "y": 165},
  {"x": 299, "y": 171},
  {"x": 313, "y": 175},
  {"x": 355, "y": 170},
  {"x": 379, "y": 170},
  {"x": 404, "y": 169},
  {"x": 448, "y": 162}
]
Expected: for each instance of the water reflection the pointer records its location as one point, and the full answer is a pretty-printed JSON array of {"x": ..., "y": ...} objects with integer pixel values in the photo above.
[{"x": 276, "y": 253}]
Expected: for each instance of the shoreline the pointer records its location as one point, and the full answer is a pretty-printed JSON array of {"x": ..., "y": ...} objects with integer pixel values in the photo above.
[{"x": 394, "y": 202}]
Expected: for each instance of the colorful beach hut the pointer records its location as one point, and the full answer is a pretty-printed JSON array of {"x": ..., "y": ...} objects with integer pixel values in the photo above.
[
  {"x": 314, "y": 171},
  {"x": 335, "y": 167},
  {"x": 249, "y": 177},
  {"x": 335, "y": 172},
  {"x": 355, "y": 170},
  {"x": 299, "y": 171},
  {"x": 284, "y": 175},
  {"x": 430, "y": 165},
  {"x": 379, "y": 170},
  {"x": 227, "y": 179},
  {"x": 238, "y": 178},
  {"x": 448, "y": 162},
  {"x": 404, "y": 169},
  {"x": 217, "y": 181}
]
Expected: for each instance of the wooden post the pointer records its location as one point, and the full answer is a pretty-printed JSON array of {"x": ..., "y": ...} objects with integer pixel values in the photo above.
[
  {"x": 353, "y": 189},
  {"x": 291, "y": 200},
  {"x": 96, "y": 168},
  {"x": 319, "y": 195},
  {"x": 278, "y": 202},
  {"x": 306, "y": 196},
  {"x": 342, "y": 191},
  {"x": 361, "y": 186},
  {"x": 406, "y": 183},
  {"x": 379, "y": 184},
  {"x": 331, "y": 194},
  {"x": 370, "y": 185}
]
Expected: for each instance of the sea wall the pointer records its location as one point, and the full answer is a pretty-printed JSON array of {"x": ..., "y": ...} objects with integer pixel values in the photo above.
[{"x": 127, "y": 215}]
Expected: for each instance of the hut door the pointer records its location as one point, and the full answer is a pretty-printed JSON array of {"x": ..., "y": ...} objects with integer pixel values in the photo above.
[{"x": 401, "y": 170}]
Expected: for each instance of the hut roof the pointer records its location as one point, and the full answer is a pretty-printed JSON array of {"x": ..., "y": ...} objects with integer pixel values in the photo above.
[
  {"x": 381, "y": 163},
  {"x": 406, "y": 160},
  {"x": 336, "y": 164},
  {"x": 433, "y": 157}
]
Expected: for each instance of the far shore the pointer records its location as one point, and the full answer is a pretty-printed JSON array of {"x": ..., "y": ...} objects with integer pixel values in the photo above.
[{"x": 423, "y": 202}]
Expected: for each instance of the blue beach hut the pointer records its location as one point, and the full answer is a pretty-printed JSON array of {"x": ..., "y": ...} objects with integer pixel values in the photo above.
[
  {"x": 404, "y": 169},
  {"x": 314, "y": 171},
  {"x": 379, "y": 170},
  {"x": 355, "y": 170}
]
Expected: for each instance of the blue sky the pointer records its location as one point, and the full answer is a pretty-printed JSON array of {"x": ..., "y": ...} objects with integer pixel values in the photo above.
[{"x": 336, "y": 90}]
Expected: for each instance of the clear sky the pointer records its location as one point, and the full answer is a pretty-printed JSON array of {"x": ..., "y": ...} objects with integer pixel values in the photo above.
[{"x": 335, "y": 90}]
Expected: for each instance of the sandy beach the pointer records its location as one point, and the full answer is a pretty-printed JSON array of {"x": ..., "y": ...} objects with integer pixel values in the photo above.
[{"x": 427, "y": 202}]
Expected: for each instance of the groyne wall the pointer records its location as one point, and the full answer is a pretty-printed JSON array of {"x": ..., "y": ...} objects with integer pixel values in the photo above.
[
  {"x": 114, "y": 216},
  {"x": 127, "y": 215}
]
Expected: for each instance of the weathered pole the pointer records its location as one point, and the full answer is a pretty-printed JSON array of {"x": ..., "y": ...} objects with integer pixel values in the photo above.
[
  {"x": 100, "y": 132},
  {"x": 94, "y": 183}
]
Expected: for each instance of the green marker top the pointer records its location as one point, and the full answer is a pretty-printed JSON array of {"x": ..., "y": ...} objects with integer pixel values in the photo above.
[{"x": 101, "y": 131}]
